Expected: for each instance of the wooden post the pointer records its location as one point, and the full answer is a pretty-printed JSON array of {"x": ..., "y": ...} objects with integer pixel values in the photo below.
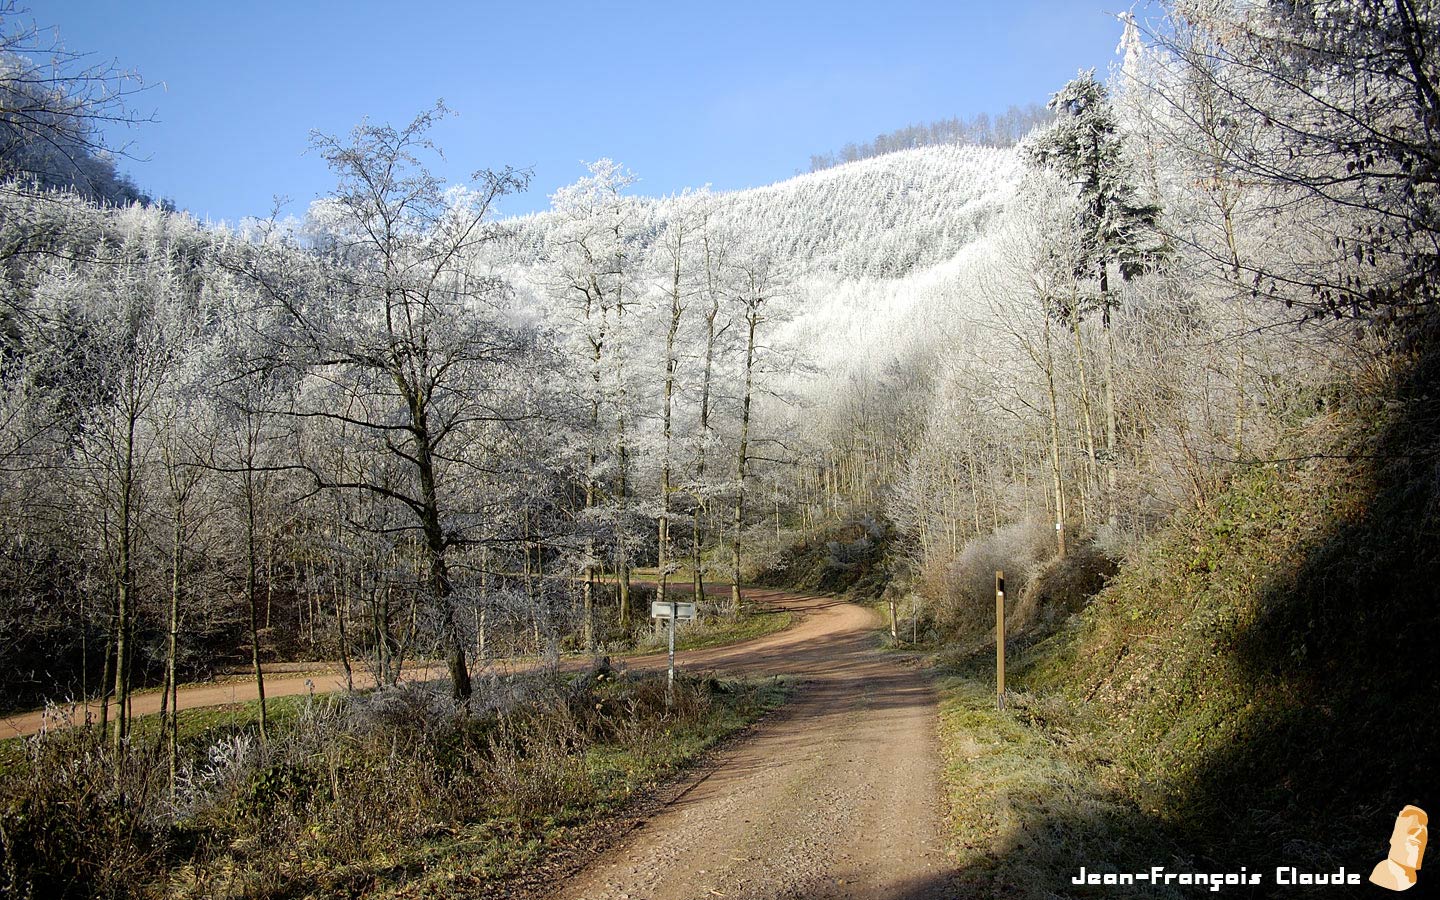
[
  {"x": 999, "y": 639},
  {"x": 670, "y": 675}
]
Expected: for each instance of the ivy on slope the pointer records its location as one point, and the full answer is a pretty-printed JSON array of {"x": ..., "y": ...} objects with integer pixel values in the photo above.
[{"x": 1259, "y": 678}]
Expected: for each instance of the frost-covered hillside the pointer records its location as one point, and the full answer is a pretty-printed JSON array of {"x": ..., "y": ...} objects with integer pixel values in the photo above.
[
  {"x": 880, "y": 217},
  {"x": 872, "y": 248}
]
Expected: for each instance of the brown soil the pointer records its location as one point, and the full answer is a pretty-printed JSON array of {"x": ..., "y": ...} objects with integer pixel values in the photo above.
[{"x": 836, "y": 796}]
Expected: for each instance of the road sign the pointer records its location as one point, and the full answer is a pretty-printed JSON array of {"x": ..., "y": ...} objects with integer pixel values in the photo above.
[{"x": 660, "y": 610}]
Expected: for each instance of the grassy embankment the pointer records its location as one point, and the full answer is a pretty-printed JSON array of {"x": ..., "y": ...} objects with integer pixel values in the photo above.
[
  {"x": 750, "y": 623},
  {"x": 387, "y": 794},
  {"x": 714, "y": 629},
  {"x": 1254, "y": 688}
]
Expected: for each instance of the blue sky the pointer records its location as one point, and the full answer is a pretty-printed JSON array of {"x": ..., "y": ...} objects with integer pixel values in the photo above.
[{"x": 733, "y": 94}]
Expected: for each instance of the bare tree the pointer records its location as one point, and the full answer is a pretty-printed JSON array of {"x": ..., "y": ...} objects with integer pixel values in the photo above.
[
  {"x": 592, "y": 257},
  {"x": 759, "y": 282},
  {"x": 396, "y": 320},
  {"x": 55, "y": 107}
]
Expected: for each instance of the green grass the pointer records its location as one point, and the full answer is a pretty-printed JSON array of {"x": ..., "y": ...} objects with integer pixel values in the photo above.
[
  {"x": 1245, "y": 691},
  {"x": 717, "y": 631},
  {"x": 1028, "y": 801},
  {"x": 198, "y": 728}
]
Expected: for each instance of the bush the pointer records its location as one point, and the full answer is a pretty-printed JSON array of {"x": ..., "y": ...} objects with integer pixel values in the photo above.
[
  {"x": 848, "y": 558},
  {"x": 962, "y": 589},
  {"x": 1060, "y": 588},
  {"x": 79, "y": 821},
  {"x": 343, "y": 791}
]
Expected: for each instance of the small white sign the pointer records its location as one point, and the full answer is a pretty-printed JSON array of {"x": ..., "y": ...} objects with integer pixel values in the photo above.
[{"x": 660, "y": 610}]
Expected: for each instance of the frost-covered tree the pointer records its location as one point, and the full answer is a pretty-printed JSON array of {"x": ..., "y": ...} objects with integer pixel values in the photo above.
[
  {"x": 1335, "y": 108},
  {"x": 594, "y": 260},
  {"x": 758, "y": 293},
  {"x": 679, "y": 260},
  {"x": 1118, "y": 228},
  {"x": 113, "y": 329},
  {"x": 56, "y": 106},
  {"x": 395, "y": 319}
]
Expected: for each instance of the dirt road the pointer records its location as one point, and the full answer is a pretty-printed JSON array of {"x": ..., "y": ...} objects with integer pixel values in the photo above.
[
  {"x": 281, "y": 680},
  {"x": 836, "y": 797},
  {"x": 192, "y": 696}
]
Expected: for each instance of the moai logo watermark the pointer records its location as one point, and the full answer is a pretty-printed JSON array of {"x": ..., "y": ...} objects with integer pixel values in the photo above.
[{"x": 1407, "y": 849}]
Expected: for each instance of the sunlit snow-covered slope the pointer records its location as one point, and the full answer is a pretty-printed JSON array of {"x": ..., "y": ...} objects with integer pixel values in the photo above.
[
  {"x": 875, "y": 249},
  {"x": 881, "y": 217},
  {"x": 883, "y": 248}
]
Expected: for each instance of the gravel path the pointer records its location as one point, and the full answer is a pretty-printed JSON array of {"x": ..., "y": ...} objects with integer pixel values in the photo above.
[{"x": 837, "y": 796}]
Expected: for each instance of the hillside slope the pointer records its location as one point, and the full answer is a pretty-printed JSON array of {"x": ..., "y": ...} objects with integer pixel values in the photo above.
[
  {"x": 1255, "y": 688},
  {"x": 882, "y": 217},
  {"x": 874, "y": 254}
]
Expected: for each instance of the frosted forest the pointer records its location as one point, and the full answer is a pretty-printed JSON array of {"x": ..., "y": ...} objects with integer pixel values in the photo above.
[{"x": 1162, "y": 350}]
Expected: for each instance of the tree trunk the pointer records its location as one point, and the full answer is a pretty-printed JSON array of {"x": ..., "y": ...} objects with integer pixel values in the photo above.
[
  {"x": 701, "y": 503},
  {"x": 1091, "y": 468},
  {"x": 437, "y": 573},
  {"x": 124, "y": 585},
  {"x": 670, "y": 364},
  {"x": 588, "y": 589},
  {"x": 177, "y": 560},
  {"x": 107, "y": 674},
  {"x": 1055, "y": 443},
  {"x": 252, "y": 593},
  {"x": 622, "y": 453},
  {"x": 1111, "y": 457},
  {"x": 743, "y": 458}
]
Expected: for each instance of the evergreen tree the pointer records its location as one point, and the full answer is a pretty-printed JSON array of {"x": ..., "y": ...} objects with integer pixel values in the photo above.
[
  {"x": 1116, "y": 227},
  {"x": 1085, "y": 146}
]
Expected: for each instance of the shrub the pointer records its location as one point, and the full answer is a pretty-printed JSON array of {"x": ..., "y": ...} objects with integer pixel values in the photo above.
[
  {"x": 1059, "y": 588},
  {"x": 848, "y": 558},
  {"x": 962, "y": 590},
  {"x": 78, "y": 821},
  {"x": 343, "y": 791}
]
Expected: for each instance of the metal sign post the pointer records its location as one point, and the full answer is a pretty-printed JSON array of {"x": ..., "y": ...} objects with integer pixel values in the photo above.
[
  {"x": 672, "y": 610},
  {"x": 670, "y": 678}
]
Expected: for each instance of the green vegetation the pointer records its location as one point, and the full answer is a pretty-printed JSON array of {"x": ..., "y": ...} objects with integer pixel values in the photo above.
[
  {"x": 717, "y": 631},
  {"x": 1029, "y": 801},
  {"x": 847, "y": 558},
  {"x": 198, "y": 728},
  {"x": 1252, "y": 687},
  {"x": 392, "y": 793}
]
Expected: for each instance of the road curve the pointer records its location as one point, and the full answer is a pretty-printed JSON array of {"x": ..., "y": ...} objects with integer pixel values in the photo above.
[
  {"x": 292, "y": 679},
  {"x": 837, "y": 796}
]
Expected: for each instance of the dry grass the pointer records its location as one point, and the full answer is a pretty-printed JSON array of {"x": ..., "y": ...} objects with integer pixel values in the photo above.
[{"x": 361, "y": 797}]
